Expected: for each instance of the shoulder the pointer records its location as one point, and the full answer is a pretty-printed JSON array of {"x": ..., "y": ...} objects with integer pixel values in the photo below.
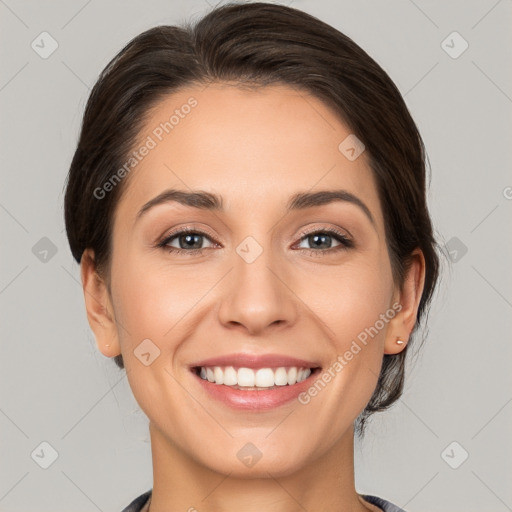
[
  {"x": 385, "y": 505},
  {"x": 138, "y": 504}
]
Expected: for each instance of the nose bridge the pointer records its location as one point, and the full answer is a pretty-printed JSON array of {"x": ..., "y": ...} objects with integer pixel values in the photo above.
[{"x": 256, "y": 296}]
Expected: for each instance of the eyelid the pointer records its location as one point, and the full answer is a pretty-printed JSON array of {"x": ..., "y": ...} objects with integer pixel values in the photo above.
[
  {"x": 317, "y": 229},
  {"x": 345, "y": 242},
  {"x": 188, "y": 229}
]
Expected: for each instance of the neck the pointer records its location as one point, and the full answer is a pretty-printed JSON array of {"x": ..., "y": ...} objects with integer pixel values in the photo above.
[{"x": 183, "y": 484}]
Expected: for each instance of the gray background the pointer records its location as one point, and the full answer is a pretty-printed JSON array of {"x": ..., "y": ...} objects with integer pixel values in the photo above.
[{"x": 56, "y": 387}]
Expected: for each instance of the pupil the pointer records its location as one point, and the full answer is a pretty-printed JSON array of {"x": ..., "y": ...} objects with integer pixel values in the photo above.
[
  {"x": 320, "y": 238},
  {"x": 190, "y": 238}
]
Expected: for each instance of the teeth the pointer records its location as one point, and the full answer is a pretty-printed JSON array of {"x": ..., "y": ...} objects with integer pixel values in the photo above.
[
  {"x": 218, "y": 374},
  {"x": 281, "y": 377},
  {"x": 264, "y": 378},
  {"x": 245, "y": 377},
  {"x": 249, "y": 378},
  {"x": 230, "y": 376},
  {"x": 292, "y": 376}
]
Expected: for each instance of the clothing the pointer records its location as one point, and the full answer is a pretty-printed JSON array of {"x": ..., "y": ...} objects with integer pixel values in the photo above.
[
  {"x": 141, "y": 503},
  {"x": 386, "y": 506}
]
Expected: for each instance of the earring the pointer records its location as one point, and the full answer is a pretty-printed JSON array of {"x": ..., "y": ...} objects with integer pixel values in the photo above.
[{"x": 400, "y": 342}]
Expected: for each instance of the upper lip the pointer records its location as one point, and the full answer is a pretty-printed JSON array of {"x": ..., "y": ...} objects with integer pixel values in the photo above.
[{"x": 242, "y": 360}]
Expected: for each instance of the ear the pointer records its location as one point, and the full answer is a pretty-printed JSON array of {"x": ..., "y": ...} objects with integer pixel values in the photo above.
[
  {"x": 402, "y": 324},
  {"x": 99, "y": 306}
]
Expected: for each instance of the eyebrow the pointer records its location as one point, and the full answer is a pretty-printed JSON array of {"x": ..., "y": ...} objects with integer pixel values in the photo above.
[{"x": 300, "y": 201}]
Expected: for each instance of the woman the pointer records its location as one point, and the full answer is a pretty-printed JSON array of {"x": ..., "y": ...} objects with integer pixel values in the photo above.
[{"x": 247, "y": 204}]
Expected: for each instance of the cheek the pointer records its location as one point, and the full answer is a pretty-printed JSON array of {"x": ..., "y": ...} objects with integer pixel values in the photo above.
[
  {"x": 351, "y": 298},
  {"x": 143, "y": 305},
  {"x": 151, "y": 301},
  {"x": 162, "y": 303}
]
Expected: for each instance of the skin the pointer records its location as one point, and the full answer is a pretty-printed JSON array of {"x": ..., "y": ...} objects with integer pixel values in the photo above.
[{"x": 255, "y": 149}]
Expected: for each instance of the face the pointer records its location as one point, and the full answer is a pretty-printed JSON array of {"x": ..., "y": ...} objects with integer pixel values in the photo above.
[{"x": 298, "y": 283}]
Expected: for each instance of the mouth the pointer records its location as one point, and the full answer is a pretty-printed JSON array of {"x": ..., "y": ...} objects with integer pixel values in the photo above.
[
  {"x": 254, "y": 379},
  {"x": 254, "y": 382}
]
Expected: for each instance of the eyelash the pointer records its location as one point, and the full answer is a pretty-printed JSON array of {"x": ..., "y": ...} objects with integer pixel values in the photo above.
[{"x": 345, "y": 243}]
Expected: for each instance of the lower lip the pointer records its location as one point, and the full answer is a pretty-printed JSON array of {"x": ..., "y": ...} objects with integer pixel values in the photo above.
[{"x": 256, "y": 400}]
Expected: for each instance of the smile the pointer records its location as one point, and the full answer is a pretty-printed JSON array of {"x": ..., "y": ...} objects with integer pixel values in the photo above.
[{"x": 253, "y": 379}]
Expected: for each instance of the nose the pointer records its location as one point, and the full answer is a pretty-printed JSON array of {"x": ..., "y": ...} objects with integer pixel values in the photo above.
[{"x": 257, "y": 297}]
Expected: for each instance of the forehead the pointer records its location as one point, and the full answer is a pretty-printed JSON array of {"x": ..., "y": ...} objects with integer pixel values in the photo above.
[{"x": 259, "y": 145}]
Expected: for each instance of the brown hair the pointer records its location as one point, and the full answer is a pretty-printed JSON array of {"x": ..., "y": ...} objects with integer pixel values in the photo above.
[{"x": 258, "y": 44}]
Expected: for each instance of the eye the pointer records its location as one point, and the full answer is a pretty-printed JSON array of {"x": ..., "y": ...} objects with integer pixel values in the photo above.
[
  {"x": 323, "y": 240},
  {"x": 188, "y": 240}
]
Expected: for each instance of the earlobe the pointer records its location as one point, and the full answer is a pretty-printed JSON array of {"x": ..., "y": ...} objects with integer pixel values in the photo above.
[
  {"x": 401, "y": 326},
  {"x": 98, "y": 306}
]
